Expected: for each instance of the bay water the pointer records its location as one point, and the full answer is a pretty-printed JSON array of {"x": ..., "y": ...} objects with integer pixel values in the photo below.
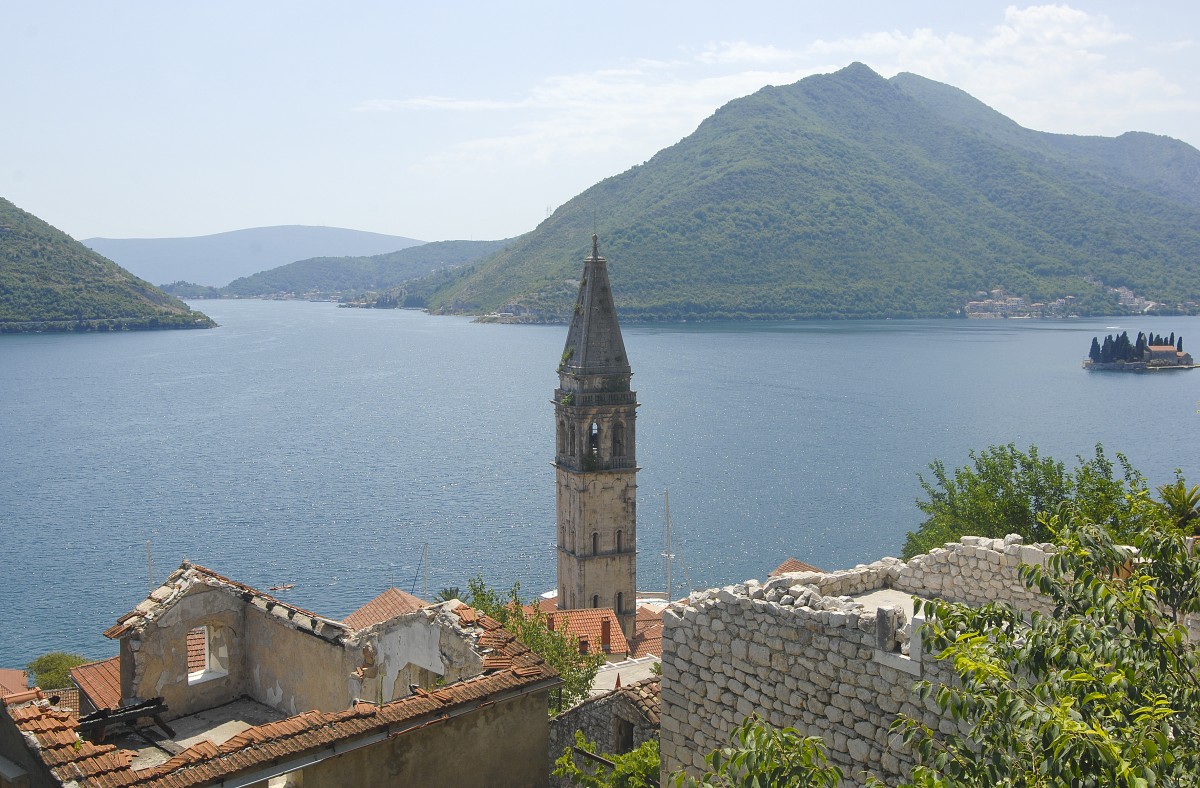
[{"x": 330, "y": 449}]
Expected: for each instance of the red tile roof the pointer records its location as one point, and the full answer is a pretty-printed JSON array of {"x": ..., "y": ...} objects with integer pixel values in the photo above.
[
  {"x": 509, "y": 667},
  {"x": 793, "y": 565},
  {"x": 60, "y": 748},
  {"x": 647, "y": 635},
  {"x": 13, "y": 681},
  {"x": 645, "y": 696},
  {"x": 588, "y": 624},
  {"x": 388, "y": 605},
  {"x": 100, "y": 682}
]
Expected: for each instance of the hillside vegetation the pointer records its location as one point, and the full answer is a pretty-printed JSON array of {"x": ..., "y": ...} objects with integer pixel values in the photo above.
[
  {"x": 51, "y": 282},
  {"x": 360, "y": 274},
  {"x": 851, "y": 196}
]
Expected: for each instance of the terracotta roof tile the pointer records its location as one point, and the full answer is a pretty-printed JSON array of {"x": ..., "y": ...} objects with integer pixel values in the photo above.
[
  {"x": 67, "y": 698},
  {"x": 793, "y": 565},
  {"x": 647, "y": 638},
  {"x": 13, "y": 681},
  {"x": 646, "y": 696},
  {"x": 588, "y": 624},
  {"x": 100, "y": 682},
  {"x": 386, "y": 606}
]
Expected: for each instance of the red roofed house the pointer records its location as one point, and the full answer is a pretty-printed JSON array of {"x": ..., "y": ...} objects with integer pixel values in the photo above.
[
  {"x": 227, "y": 685},
  {"x": 99, "y": 685},
  {"x": 13, "y": 681},
  {"x": 792, "y": 566},
  {"x": 598, "y": 630}
]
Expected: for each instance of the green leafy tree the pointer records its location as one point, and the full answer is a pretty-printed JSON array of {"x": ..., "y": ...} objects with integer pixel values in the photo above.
[
  {"x": 1183, "y": 503},
  {"x": 638, "y": 768},
  {"x": 561, "y": 652},
  {"x": 1103, "y": 692},
  {"x": 1004, "y": 490},
  {"x": 762, "y": 756},
  {"x": 53, "y": 670}
]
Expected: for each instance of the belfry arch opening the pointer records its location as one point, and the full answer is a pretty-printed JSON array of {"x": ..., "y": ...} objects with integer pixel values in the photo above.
[{"x": 594, "y": 440}]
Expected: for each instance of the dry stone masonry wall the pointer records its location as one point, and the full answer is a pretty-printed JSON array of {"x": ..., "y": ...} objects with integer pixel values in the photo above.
[{"x": 827, "y": 653}]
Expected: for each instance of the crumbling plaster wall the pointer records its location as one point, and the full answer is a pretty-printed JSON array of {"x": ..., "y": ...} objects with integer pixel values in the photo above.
[
  {"x": 800, "y": 652},
  {"x": 417, "y": 648},
  {"x": 295, "y": 671},
  {"x": 154, "y": 659}
]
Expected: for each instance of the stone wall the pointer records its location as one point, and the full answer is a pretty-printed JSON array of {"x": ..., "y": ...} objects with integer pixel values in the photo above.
[
  {"x": 601, "y": 720},
  {"x": 801, "y": 651}
]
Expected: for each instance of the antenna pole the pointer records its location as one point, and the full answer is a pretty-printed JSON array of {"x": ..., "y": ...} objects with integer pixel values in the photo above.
[{"x": 425, "y": 561}]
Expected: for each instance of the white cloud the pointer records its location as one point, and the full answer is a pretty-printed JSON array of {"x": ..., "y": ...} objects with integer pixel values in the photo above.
[{"x": 1051, "y": 67}]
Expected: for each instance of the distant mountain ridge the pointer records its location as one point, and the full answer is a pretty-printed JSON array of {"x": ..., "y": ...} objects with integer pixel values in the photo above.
[
  {"x": 217, "y": 260},
  {"x": 51, "y": 282},
  {"x": 374, "y": 273},
  {"x": 850, "y": 195}
]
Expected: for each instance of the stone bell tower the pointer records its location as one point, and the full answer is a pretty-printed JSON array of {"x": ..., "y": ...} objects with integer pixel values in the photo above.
[{"x": 595, "y": 462}]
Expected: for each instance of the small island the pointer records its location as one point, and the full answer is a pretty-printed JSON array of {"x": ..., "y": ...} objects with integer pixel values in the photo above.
[{"x": 1147, "y": 353}]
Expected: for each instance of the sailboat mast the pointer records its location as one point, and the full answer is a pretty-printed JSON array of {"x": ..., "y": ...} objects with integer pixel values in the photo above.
[{"x": 667, "y": 502}]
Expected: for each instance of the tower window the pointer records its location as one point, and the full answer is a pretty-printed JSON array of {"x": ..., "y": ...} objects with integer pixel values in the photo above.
[
  {"x": 595, "y": 543},
  {"x": 594, "y": 439},
  {"x": 571, "y": 439},
  {"x": 618, "y": 440},
  {"x": 620, "y": 601},
  {"x": 620, "y": 541},
  {"x": 595, "y": 600}
]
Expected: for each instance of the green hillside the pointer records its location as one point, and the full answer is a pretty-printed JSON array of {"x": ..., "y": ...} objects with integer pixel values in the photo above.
[
  {"x": 361, "y": 274},
  {"x": 848, "y": 195},
  {"x": 50, "y": 282}
]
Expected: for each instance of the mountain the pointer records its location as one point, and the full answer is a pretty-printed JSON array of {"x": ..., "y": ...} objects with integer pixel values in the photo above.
[
  {"x": 219, "y": 259},
  {"x": 850, "y": 195},
  {"x": 51, "y": 282},
  {"x": 361, "y": 274}
]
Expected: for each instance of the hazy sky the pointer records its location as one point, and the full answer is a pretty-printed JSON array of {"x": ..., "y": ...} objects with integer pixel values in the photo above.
[{"x": 472, "y": 120}]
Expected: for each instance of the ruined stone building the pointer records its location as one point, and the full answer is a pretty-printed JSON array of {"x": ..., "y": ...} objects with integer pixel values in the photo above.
[
  {"x": 595, "y": 459},
  {"x": 617, "y": 721},
  {"x": 219, "y": 683},
  {"x": 833, "y": 654}
]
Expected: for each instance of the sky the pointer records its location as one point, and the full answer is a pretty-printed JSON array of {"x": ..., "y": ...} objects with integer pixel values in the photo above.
[{"x": 474, "y": 120}]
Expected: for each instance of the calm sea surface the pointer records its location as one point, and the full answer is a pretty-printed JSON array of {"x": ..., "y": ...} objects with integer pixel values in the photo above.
[{"x": 300, "y": 443}]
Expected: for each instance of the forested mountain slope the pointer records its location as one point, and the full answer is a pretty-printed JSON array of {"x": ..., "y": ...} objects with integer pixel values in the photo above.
[
  {"x": 51, "y": 282},
  {"x": 849, "y": 195},
  {"x": 361, "y": 274}
]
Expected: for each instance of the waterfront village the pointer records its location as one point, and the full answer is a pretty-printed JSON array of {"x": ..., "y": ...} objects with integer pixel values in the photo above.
[{"x": 218, "y": 683}]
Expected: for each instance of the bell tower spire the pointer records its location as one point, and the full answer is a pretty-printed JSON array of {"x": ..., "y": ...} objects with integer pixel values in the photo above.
[{"x": 595, "y": 460}]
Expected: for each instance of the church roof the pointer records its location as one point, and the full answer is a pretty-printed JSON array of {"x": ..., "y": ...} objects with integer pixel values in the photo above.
[{"x": 594, "y": 343}]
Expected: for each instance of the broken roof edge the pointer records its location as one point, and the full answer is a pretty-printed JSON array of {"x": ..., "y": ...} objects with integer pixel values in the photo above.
[{"x": 188, "y": 575}]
